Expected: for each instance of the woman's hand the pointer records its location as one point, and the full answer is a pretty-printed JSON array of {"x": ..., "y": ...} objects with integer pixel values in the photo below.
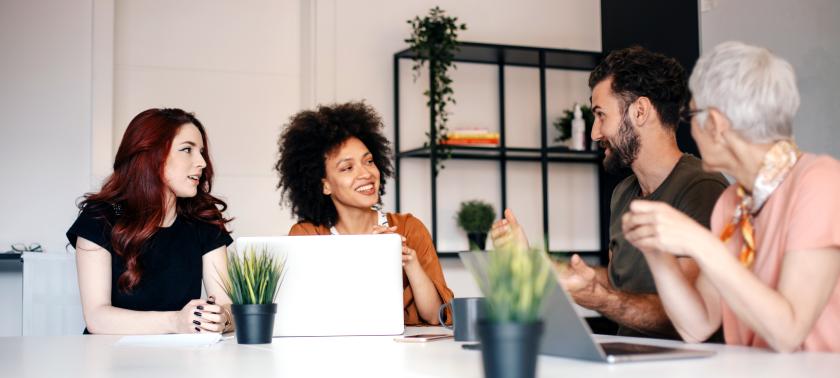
[
  {"x": 656, "y": 227},
  {"x": 409, "y": 258},
  {"x": 383, "y": 230},
  {"x": 201, "y": 316},
  {"x": 409, "y": 255}
]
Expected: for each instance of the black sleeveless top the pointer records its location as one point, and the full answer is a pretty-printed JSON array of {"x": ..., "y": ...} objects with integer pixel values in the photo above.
[{"x": 170, "y": 260}]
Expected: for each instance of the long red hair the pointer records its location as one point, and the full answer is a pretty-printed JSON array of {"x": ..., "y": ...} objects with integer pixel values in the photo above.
[{"x": 136, "y": 192}]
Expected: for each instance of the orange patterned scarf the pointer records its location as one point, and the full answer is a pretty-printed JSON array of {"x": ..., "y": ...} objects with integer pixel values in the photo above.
[{"x": 777, "y": 163}]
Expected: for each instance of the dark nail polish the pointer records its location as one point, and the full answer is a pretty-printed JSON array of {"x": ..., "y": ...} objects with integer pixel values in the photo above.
[
  {"x": 197, "y": 313},
  {"x": 197, "y": 329},
  {"x": 200, "y": 307},
  {"x": 196, "y": 322},
  {"x": 211, "y": 301}
]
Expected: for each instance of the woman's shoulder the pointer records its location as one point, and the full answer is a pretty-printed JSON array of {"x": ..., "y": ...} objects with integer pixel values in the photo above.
[
  {"x": 207, "y": 234},
  {"x": 100, "y": 211},
  {"x": 94, "y": 224},
  {"x": 308, "y": 228},
  {"x": 204, "y": 227},
  {"x": 818, "y": 168},
  {"x": 408, "y": 225},
  {"x": 407, "y": 220}
]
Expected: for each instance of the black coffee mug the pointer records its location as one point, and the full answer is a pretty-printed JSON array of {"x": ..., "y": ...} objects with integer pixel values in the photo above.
[{"x": 465, "y": 315}]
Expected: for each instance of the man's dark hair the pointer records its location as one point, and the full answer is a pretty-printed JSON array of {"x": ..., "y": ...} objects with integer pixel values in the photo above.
[
  {"x": 638, "y": 72},
  {"x": 305, "y": 144}
]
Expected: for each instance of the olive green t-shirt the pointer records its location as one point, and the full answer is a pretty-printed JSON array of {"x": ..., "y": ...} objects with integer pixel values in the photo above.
[{"x": 689, "y": 189}]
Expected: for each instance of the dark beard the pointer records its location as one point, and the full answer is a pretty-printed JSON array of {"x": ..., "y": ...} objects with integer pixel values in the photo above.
[{"x": 625, "y": 148}]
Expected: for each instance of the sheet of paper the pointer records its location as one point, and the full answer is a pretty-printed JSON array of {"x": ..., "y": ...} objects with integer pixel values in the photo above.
[{"x": 178, "y": 340}]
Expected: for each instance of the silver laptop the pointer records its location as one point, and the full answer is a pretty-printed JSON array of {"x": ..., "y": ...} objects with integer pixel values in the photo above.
[
  {"x": 337, "y": 285},
  {"x": 567, "y": 335}
]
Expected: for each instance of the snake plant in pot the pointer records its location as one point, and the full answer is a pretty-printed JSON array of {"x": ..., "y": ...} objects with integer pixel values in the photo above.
[
  {"x": 515, "y": 288},
  {"x": 253, "y": 280}
]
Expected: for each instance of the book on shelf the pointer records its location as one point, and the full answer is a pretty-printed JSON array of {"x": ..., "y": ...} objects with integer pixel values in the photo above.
[
  {"x": 471, "y": 142},
  {"x": 471, "y": 137},
  {"x": 471, "y": 134}
]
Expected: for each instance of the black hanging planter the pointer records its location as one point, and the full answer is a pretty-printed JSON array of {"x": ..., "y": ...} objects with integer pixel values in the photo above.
[
  {"x": 477, "y": 240},
  {"x": 254, "y": 322},
  {"x": 509, "y": 350}
]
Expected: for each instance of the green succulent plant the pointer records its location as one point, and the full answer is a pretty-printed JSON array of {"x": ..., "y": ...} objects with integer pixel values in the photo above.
[
  {"x": 475, "y": 216},
  {"x": 517, "y": 284},
  {"x": 254, "y": 277}
]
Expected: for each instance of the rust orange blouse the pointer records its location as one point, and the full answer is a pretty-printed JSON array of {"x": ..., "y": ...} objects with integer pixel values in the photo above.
[{"x": 417, "y": 238}]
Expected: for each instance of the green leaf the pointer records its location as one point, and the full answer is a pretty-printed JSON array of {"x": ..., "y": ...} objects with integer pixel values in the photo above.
[
  {"x": 517, "y": 284},
  {"x": 434, "y": 38},
  {"x": 254, "y": 276}
]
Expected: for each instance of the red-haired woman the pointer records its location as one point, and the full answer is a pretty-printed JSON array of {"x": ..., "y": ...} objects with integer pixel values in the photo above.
[{"x": 148, "y": 237}]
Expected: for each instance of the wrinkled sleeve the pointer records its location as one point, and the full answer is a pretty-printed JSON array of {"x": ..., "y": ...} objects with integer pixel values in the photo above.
[
  {"x": 214, "y": 237},
  {"x": 419, "y": 239},
  {"x": 300, "y": 229},
  {"x": 91, "y": 228}
]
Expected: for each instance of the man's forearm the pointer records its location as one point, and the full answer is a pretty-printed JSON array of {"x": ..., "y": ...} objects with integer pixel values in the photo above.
[{"x": 641, "y": 312}]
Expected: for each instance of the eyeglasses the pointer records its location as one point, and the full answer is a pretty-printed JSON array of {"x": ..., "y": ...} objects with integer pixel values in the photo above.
[
  {"x": 20, "y": 247},
  {"x": 687, "y": 114}
]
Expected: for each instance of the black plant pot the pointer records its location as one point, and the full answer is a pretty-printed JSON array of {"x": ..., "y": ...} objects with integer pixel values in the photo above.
[
  {"x": 254, "y": 322},
  {"x": 509, "y": 350},
  {"x": 477, "y": 240}
]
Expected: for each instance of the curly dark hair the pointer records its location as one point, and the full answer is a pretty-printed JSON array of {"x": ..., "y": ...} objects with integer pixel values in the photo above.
[
  {"x": 305, "y": 144},
  {"x": 638, "y": 72}
]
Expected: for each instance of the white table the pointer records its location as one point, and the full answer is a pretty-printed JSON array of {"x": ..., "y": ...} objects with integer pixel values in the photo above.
[{"x": 97, "y": 356}]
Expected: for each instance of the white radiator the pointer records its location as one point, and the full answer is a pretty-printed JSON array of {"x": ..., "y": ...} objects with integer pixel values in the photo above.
[{"x": 51, "y": 304}]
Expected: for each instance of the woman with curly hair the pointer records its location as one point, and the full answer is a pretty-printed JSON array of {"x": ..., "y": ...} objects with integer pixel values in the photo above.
[
  {"x": 146, "y": 240},
  {"x": 333, "y": 165}
]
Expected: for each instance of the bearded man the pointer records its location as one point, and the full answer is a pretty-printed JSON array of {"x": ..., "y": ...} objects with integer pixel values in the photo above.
[{"x": 637, "y": 100}]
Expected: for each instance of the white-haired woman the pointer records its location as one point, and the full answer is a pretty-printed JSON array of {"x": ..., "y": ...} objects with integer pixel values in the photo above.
[{"x": 770, "y": 265}]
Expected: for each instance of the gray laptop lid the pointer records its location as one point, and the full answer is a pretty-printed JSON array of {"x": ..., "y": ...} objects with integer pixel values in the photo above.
[{"x": 567, "y": 335}]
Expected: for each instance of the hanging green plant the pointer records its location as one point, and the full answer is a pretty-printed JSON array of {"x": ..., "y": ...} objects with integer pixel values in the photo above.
[{"x": 434, "y": 39}]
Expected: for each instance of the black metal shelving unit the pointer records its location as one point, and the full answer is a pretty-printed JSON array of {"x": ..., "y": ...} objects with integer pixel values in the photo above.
[{"x": 502, "y": 56}]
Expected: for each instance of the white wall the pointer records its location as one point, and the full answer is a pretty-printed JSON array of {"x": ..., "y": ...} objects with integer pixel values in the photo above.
[
  {"x": 236, "y": 65},
  {"x": 805, "y": 33},
  {"x": 353, "y": 44},
  {"x": 45, "y": 117},
  {"x": 47, "y": 71}
]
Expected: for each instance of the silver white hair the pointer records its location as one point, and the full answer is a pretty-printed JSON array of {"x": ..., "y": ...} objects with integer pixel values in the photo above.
[{"x": 755, "y": 89}]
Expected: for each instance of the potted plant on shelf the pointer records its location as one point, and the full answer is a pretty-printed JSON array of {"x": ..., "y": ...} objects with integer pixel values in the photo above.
[
  {"x": 563, "y": 124},
  {"x": 434, "y": 38},
  {"x": 253, "y": 280},
  {"x": 476, "y": 218},
  {"x": 516, "y": 285}
]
